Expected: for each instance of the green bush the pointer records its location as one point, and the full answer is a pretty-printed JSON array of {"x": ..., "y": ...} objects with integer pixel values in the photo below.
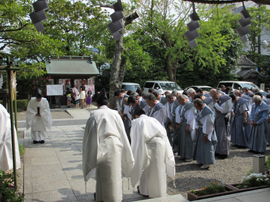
[
  {"x": 22, "y": 105},
  {"x": 7, "y": 189},
  {"x": 268, "y": 163},
  {"x": 21, "y": 149},
  {"x": 210, "y": 189}
]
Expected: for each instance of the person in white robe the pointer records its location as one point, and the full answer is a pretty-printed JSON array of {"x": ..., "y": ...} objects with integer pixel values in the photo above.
[
  {"x": 106, "y": 151},
  {"x": 186, "y": 123},
  {"x": 38, "y": 117},
  {"x": 6, "y": 158},
  {"x": 153, "y": 156}
]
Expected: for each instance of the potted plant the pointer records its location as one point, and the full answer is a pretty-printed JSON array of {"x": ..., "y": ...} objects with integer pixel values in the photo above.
[
  {"x": 210, "y": 190},
  {"x": 251, "y": 182}
]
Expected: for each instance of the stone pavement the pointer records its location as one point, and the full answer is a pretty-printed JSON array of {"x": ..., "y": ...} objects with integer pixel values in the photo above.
[{"x": 53, "y": 171}]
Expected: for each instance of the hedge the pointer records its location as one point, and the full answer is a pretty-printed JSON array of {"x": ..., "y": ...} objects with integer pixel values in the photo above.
[{"x": 21, "y": 104}]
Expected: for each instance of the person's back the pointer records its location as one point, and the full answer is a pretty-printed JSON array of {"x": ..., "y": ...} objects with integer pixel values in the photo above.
[
  {"x": 106, "y": 149},
  {"x": 153, "y": 156}
]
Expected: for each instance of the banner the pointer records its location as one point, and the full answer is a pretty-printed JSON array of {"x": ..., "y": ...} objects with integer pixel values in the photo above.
[
  {"x": 53, "y": 90},
  {"x": 91, "y": 88}
]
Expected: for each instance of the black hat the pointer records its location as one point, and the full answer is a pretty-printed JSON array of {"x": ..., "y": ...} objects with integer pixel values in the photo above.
[
  {"x": 101, "y": 97},
  {"x": 39, "y": 93}
]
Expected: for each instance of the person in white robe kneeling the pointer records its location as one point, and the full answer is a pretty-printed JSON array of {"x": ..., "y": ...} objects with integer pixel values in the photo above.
[
  {"x": 6, "y": 159},
  {"x": 106, "y": 151},
  {"x": 153, "y": 156},
  {"x": 38, "y": 117}
]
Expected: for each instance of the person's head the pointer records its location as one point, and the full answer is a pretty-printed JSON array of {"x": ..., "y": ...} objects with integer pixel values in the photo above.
[
  {"x": 126, "y": 101},
  {"x": 167, "y": 93},
  {"x": 118, "y": 94},
  {"x": 257, "y": 99},
  {"x": 198, "y": 104},
  {"x": 245, "y": 90},
  {"x": 89, "y": 92},
  {"x": 234, "y": 98},
  {"x": 138, "y": 113},
  {"x": 198, "y": 95},
  {"x": 102, "y": 98},
  {"x": 260, "y": 94},
  {"x": 151, "y": 100},
  {"x": 156, "y": 95},
  {"x": 150, "y": 90},
  {"x": 181, "y": 99},
  {"x": 255, "y": 90},
  {"x": 223, "y": 87},
  {"x": 139, "y": 91},
  {"x": 133, "y": 100},
  {"x": 191, "y": 92},
  {"x": 185, "y": 93},
  {"x": 238, "y": 93},
  {"x": 175, "y": 93},
  {"x": 129, "y": 92},
  {"x": 214, "y": 94},
  {"x": 170, "y": 98},
  {"x": 38, "y": 95},
  {"x": 199, "y": 90},
  {"x": 228, "y": 89}
]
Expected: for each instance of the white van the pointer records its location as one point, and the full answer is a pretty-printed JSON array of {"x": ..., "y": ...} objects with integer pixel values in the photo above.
[
  {"x": 236, "y": 85},
  {"x": 164, "y": 85},
  {"x": 130, "y": 86}
]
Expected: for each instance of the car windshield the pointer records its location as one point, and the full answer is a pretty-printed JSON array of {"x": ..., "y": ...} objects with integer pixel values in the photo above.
[
  {"x": 170, "y": 86},
  {"x": 131, "y": 87},
  {"x": 249, "y": 85}
]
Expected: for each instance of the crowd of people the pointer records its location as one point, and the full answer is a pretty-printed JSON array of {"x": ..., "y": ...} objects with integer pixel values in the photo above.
[{"x": 200, "y": 125}]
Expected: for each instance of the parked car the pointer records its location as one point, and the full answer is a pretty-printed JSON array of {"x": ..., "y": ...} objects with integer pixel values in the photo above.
[
  {"x": 164, "y": 85},
  {"x": 204, "y": 88},
  {"x": 130, "y": 86},
  {"x": 236, "y": 85}
]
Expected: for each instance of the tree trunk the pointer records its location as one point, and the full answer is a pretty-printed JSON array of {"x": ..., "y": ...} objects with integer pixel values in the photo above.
[
  {"x": 115, "y": 70},
  {"x": 171, "y": 72}
]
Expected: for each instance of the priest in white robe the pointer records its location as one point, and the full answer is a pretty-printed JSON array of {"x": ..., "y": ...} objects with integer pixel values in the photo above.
[
  {"x": 153, "y": 156},
  {"x": 6, "y": 158},
  {"x": 38, "y": 117},
  {"x": 106, "y": 151}
]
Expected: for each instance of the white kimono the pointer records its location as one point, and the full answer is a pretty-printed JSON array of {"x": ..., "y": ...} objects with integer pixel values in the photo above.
[
  {"x": 6, "y": 159},
  {"x": 153, "y": 156},
  {"x": 106, "y": 153},
  {"x": 38, "y": 124}
]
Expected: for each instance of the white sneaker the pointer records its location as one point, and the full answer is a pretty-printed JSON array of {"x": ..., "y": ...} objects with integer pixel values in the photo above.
[
  {"x": 188, "y": 160},
  {"x": 205, "y": 166}
]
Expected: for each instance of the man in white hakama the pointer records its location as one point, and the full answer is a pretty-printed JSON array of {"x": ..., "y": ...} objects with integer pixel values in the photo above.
[
  {"x": 106, "y": 151},
  {"x": 6, "y": 159},
  {"x": 38, "y": 117},
  {"x": 153, "y": 156}
]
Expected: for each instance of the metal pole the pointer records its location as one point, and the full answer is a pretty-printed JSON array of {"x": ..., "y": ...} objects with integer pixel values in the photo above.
[{"x": 11, "y": 124}]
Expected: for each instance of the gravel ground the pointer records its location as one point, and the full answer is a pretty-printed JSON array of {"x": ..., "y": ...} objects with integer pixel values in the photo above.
[
  {"x": 228, "y": 171},
  {"x": 55, "y": 115}
]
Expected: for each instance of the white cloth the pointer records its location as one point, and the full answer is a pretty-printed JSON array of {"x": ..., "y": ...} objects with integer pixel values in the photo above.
[
  {"x": 76, "y": 92},
  {"x": 107, "y": 151},
  {"x": 82, "y": 95},
  {"x": 6, "y": 159},
  {"x": 208, "y": 126},
  {"x": 153, "y": 156},
  {"x": 190, "y": 117},
  {"x": 171, "y": 109},
  {"x": 127, "y": 110},
  {"x": 38, "y": 123},
  {"x": 120, "y": 103}
]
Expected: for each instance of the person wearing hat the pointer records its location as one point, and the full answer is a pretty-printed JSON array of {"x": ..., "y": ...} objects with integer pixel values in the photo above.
[
  {"x": 106, "y": 151},
  {"x": 38, "y": 117}
]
